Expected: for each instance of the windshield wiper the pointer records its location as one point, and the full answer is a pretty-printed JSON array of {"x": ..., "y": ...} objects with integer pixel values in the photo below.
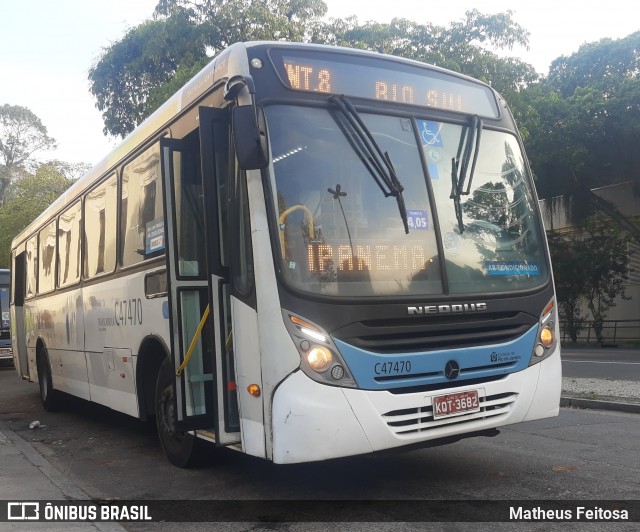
[
  {"x": 377, "y": 163},
  {"x": 463, "y": 165}
]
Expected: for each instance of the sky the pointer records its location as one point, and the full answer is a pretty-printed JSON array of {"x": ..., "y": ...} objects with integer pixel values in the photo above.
[{"x": 48, "y": 46}]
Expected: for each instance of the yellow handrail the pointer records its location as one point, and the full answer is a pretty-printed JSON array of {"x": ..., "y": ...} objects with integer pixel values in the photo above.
[
  {"x": 308, "y": 216},
  {"x": 192, "y": 346}
]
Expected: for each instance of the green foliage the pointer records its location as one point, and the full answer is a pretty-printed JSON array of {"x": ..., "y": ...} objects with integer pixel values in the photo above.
[
  {"x": 604, "y": 267},
  {"x": 583, "y": 121},
  {"x": 567, "y": 257},
  {"x": 135, "y": 75},
  {"x": 21, "y": 135},
  {"x": 589, "y": 267},
  {"x": 146, "y": 58},
  {"x": 26, "y": 198}
]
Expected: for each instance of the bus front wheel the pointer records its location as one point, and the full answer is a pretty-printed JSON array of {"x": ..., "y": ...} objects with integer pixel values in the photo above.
[{"x": 179, "y": 447}]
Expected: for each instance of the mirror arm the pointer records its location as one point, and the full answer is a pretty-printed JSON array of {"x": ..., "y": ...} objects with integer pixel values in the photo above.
[{"x": 235, "y": 84}]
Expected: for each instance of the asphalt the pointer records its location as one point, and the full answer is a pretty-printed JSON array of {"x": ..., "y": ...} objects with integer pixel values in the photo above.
[{"x": 26, "y": 475}]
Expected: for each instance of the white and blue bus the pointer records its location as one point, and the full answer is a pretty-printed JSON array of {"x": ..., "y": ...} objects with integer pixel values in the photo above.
[
  {"x": 5, "y": 321},
  {"x": 308, "y": 252}
]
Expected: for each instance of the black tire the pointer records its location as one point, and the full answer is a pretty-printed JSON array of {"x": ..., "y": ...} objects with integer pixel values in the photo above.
[
  {"x": 48, "y": 395},
  {"x": 179, "y": 447}
]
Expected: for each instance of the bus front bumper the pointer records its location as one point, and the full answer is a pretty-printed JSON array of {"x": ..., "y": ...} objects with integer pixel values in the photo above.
[
  {"x": 314, "y": 422},
  {"x": 5, "y": 353}
]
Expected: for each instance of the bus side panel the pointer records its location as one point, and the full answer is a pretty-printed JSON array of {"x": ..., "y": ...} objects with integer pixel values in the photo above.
[
  {"x": 278, "y": 355},
  {"x": 100, "y": 331},
  {"x": 247, "y": 361},
  {"x": 118, "y": 318},
  {"x": 31, "y": 336},
  {"x": 547, "y": 398},
  {"x": 60, "y": 325}
]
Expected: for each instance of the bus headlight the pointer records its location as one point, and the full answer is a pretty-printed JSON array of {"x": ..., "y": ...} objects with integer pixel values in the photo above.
[
  {"x": 546, "y": 336},
  {"x": 546, "y": 340},
  {"x": 319, "y": 357}
]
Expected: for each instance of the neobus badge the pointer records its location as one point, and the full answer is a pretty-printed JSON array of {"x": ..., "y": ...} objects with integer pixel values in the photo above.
[{"x": 446, "y": 309}]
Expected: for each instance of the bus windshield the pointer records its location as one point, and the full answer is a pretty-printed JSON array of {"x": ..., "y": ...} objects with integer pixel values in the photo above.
[{"x": 339, "y": 234}]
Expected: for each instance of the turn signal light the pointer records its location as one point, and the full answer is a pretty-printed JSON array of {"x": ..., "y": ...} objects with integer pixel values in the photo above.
[{"x": 254, "y": 390}]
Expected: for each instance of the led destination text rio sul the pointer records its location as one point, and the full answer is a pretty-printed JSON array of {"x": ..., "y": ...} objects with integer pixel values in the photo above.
[{"x": 308, "y": 78}]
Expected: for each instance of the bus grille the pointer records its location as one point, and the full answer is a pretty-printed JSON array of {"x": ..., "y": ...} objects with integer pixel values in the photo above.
[
  {"x": 408, "y": 335},
  {"x": 414, "y": 420}
]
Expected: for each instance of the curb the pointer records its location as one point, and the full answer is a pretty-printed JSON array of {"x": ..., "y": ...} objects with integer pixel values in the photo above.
[{"x": 578, "y": 402}]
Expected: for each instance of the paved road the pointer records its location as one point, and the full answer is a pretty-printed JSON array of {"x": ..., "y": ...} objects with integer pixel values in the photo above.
[
  {"x": 581, "y": 455},
  {"x": 597, "y": 363}
]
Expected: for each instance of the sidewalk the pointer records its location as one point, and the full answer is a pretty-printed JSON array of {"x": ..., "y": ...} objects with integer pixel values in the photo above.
[
  {"x": 26, "y": 475},
  {"x": 601, "y": 394}
]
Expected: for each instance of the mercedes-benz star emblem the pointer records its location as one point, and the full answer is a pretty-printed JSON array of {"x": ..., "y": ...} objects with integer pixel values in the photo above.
[{"x": 451, "y": 370}]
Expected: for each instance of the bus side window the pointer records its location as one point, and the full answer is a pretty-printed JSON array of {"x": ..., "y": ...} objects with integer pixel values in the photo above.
[
  {"x": 100, "y": 216},
  {"x": 47, "y": 263},
  {"x": 69, "y": 224},
  {"x": 142, "y": 214},
  {"x": 32, "y": 265}
]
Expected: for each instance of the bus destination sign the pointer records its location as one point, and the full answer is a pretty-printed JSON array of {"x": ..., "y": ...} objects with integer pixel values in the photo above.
[{"x": 379, "y": 79}]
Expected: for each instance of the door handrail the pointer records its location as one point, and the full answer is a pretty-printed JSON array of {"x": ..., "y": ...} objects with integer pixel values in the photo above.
[{"x": 194, "y": 340}]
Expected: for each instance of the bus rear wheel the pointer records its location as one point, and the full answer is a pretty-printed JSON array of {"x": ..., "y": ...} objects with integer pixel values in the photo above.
[
  {"x": 179, "y": 447},
  {"x": 50, "y": 398}
]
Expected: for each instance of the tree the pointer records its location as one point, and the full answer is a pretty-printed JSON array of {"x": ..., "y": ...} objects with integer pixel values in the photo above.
[
  {"x": 604, "y": 261},
  {"x": 590, "y": 267},
  {"x": 462, "y": 46},
  {"x": 21, "y": 135},
  {"x": 148, "y": 56},
  {"x": 135, "y": 75},
  {"x": 26, "y": 198},
  {"x": 583, "y": 120},
  {"x": 567, "y": 256}
]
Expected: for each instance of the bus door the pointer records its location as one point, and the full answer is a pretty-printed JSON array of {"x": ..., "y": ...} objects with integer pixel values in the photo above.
[
  {"x": 18, "y": 326},
  {"x": 199, "y": 279}
]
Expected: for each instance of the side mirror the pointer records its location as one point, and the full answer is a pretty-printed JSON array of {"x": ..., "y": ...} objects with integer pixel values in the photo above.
[{"x": 250, "y": 137}]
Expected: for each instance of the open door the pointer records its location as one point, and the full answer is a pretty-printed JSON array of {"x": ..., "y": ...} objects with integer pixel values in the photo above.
[
  {"x": 18, "y": 331},
  {"x": 198, "y": 279}
]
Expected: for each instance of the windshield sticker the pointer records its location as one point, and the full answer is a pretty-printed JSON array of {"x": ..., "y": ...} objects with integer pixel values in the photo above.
[
  {"x": 155, "y": 236},
  {"x": 512, "y": 268},
  {"x": 418, "y": 220},
  {"x": 434, "y": 173},
  {"x": 430, "y": 133},
  {"x": 452, "y": 242}
]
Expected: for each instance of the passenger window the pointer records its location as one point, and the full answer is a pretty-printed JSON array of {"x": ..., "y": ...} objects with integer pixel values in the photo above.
[
  {"x": 142, "y": 219},
  {"x": 100, "y": 214},
  {"x": 69, "y": 225},
  {"x": 32, "y": 266},
  {"x": 47, "y": 263}
]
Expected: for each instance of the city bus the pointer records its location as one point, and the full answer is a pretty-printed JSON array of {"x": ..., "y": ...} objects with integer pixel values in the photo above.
[
  {"x": 308, "y": 252},
  {"x": 5, "y": 321}
]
